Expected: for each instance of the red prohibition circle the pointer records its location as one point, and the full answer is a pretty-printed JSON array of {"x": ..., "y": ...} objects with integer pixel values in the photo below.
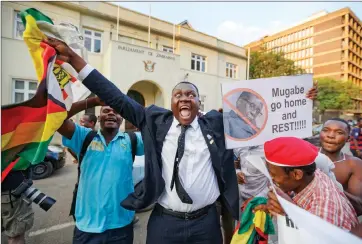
[{"x": 240, "y": 90}]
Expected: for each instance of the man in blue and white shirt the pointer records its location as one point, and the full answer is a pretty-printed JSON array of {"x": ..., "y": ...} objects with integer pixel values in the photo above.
[{"x": 105, "y": 179}]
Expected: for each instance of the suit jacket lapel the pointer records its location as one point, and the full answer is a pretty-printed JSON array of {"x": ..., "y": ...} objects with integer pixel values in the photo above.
[
  {"x": 161, "y": 132},
  {"x": 210, "y": 141}
]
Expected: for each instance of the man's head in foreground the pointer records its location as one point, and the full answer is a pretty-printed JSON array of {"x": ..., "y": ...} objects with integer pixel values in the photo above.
[
  {"x": 291, "y": 162},
  {"x": 249, "y": 105},
  {"x": 109, "y": 119},
  {"x": 334, "y": 135},
  {"x": 88, "y": 120},
  {"x": 185, "y": 103}
]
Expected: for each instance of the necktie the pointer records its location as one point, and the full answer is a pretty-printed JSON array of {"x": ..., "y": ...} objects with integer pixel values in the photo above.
[{"x": 181, "y": 192}]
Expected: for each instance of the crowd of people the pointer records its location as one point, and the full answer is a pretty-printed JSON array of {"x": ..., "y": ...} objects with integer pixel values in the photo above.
[{"x": 200, "y": 188}]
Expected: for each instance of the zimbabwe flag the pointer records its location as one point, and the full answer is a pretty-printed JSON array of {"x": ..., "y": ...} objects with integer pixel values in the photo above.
[
  {"x": 28, "y": 127},
  {"x": 253, "y": 228}
]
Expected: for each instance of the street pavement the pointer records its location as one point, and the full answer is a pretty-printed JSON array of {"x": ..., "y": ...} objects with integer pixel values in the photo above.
[{"x": 55, "y": 226}]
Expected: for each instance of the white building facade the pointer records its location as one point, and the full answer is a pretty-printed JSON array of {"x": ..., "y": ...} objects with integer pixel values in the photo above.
[{"x": 147, "y": 71}]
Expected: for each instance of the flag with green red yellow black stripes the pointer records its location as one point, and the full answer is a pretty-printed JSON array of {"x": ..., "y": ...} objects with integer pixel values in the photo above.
[{"x": 28, "y": 127}]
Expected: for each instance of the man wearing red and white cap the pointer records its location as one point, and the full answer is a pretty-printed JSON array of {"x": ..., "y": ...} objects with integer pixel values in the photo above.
[{"x": 291, "y": 164}]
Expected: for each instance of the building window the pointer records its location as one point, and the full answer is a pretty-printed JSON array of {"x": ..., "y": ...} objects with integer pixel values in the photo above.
[
  {"x": 311, "y": 62},
  {"x": 202, "y": 102},
  {"x": 198, "y": 63},
  {"x": 18, "y": 26},
  {"x": 231, "y": 70},
  {"x": 93, "y": 41},
  {"x": 23, "y": 90},
  {"x": 311, "y": 51},
  {"x": 167, "y": 49}
]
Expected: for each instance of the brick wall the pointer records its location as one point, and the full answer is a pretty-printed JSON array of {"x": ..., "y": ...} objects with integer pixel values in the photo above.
[
  {"x": 328, "y": 24},
  {"x": 329, "y": 57},
  {"x": 330, "y": 68},
  {"x": 328, "y": 35},
  {"x": 328, "y": 46}
]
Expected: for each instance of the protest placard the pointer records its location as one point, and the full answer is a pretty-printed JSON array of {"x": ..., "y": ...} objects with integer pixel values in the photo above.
[
  {"x": 262, "y": 109},
  {"x": 309, "y": 228}
]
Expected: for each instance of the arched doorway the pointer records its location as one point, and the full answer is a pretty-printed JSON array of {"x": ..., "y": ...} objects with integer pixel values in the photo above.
[
  {"x": 138, "y": 97},
  {"x": 145, "y": 93}
]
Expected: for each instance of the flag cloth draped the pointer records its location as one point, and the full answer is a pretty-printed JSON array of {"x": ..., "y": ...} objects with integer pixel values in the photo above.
[
  {"x": 28, "y": 127},
  {"x": 253, "y": 224}
]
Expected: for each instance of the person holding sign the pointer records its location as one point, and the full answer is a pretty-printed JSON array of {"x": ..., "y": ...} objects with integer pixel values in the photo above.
[
  {"x": 253, "y": 182},
  {"x": 291, "y": 164}
]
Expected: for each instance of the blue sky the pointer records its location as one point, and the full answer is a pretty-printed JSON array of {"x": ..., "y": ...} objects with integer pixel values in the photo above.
[{"x": 239, "y": 22}]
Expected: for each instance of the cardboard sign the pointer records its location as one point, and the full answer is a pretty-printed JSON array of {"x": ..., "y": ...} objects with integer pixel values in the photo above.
[{"x": 259, "y": 110}]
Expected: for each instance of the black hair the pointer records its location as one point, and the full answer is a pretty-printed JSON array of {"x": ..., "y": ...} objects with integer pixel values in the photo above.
[
  {"x": 359, "y": 119},
  {"x": 92, "y": 118},
  {"x": 308, "y": 170},
  {"x": 189, "y": 83},
  {"x": 340, "y": 120}
]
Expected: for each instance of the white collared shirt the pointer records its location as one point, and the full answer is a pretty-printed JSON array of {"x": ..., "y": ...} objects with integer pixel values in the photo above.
[
  {"x": 85, "y": 72},
  {"x": 196, "y": 173}
]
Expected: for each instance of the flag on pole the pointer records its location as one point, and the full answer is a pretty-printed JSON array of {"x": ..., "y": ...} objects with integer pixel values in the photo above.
[
  {"x": 117, "y": 22},
  {"x": 28, "y": 127},
  {"x": 149, "y": 28}
]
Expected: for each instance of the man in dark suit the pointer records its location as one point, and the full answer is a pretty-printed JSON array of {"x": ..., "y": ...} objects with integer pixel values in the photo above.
[{"x": 187, "y": 167}]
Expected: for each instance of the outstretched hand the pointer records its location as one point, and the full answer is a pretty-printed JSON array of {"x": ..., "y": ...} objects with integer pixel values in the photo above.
[
  {"x": 241, "y": 178},
  {"x": 65, "y": 53},
  {"x": 273, "y": 206},
  {"x": 99, "y": 102},
  {"x": 313, "y": 92}
]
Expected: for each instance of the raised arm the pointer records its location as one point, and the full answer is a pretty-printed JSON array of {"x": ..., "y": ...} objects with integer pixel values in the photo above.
[
  {"x": 101, "y": 86},
  {"x": 68, "y": 127}
]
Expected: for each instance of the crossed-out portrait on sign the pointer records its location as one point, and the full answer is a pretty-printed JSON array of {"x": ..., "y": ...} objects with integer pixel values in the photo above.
[{"x": 245, "y": 114}]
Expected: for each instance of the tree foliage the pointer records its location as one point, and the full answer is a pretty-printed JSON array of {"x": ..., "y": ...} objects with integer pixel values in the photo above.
[
  {"x": 336, "y": 94},
  {"x": 265, "y": 64}
]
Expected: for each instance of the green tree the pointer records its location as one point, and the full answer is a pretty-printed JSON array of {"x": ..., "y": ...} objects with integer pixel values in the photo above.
[
  {"x": 265, "y": 64},
  {"x": 336, "y": 94}
]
